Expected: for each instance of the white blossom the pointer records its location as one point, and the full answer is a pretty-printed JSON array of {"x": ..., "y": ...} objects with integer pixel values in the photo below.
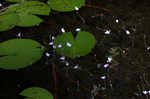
[
  {"x": 77, "y": 29},
  {"x": 127, "y": 32},
  {"x": 62, "y": 30},
  {"x": 62, "y": 58},
  {"x": 107, "y": 32},
  {"x": 59, "y": 46},
  {"x": 47, "y": 54},
  {"x": 68, "y": 44},
  {"x": 76, "y": 8}
]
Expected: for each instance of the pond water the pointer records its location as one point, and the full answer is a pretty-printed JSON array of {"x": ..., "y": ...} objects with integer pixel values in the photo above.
[{"x": 117, "y": 68}]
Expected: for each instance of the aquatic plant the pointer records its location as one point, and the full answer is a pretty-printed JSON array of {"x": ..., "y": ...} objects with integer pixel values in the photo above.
[
  {"x": 24, "y": 13},
  {"x": 36, "y": 93},
  {"x": 66, "y": 5},
  {"x": 19, "y": 53},
  {"x": 72, "y": 47}
]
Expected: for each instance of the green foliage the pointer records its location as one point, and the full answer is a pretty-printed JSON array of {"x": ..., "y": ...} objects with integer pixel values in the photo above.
[
  {"x": 36, "y": 93},
  {"x": 65, "y": 5},
  {"x": 18, "y": 0},
  {"x": 19, "y": 53},
  {"x": 23, "y": 14},
  {"x": 72, "y": 47},
  {"x": 7, "y": 21}
]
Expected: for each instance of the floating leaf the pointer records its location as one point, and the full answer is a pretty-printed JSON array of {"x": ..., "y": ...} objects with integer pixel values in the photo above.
[
  {"x": 16, "y": 0},
  {"x": 23, "y": 14},
  {"x": 36, "y": 93},
  {"x": 28, "y": 20},
  {"x": 65, "y": 5},
  {"x": 69, "y": 46},
  {"x": 19, "y": 53},
  {"x": 8, "y": 21}
]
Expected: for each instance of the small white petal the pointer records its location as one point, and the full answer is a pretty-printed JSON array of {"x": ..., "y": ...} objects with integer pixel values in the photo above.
[
  {"x": 62, "y": 58},
  {"x": 106, "y": 65},
  {"x": 50, "y": 43},
  {"x": 19, "y": 34},
  {"x": 148, "y": 48},
  {"x": 1, "y": 5},
  {"x": 103, "y": 77},
  {"x": 76, "y": 8},
  {"x": 47, "y": 54},
  {"x": 76, "y": 67},
  {"x": 145, "y": 92},
  {"x": 78, "y": 29},
  {"x": 109, "y": 59},
  {"x": 117, "y": 20},
  {"x": 53, "y": 37},
  {"x": 148, "y": 92},
  {"x": 107, "y": 32},
  {"x": 127, "y": 32},
  {"x": 62, "y": 30},
  {"x": 59, "y": 46},
  {"x": 67, "y": 63},
  {"x": 54, "y": 46},
  {"x": 68, "y": 44}
]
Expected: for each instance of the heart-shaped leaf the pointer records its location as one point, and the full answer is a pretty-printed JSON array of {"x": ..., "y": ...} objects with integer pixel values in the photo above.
[
  {"x": 19, "y": 53},
  {"x": 36, "y": 93},
  {"x": 69, "y": 46},
  {"x": 66, "y": 5}
]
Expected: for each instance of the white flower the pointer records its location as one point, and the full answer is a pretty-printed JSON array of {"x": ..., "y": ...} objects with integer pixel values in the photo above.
[
  {"x": 103, "y": 77},
  {"x": 109, "y": 59},
  {"x": 107, "y": 31},
  {"x": 76, "y": 8},
  {"x": 68, "y": 44},
  {"x": 59, "y": 46},
  {"x": 77, "y": 29},
  {"x": 62, "y": 58},
  {"x": 62, "y": 30},
  {"x": 47, "y": 54},
  {"x": 117, "y": 20},
  {"x": 127, "y": 32}
]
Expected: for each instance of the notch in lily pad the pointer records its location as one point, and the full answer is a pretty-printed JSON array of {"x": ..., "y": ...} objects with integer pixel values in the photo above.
[
  {"x": 81, "y": 45},
  {"x": 19, "y": 53},
  {"x": 36, "y": 93}
]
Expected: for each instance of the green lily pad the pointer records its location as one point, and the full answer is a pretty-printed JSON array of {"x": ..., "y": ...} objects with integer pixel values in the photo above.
[
  {"x": 13, "y": 0},
  {"x": 8, "y": 21},
  {"x": 65, "y": 5},
  {"x": 23, "y": 14},
  {"x": 28, "y": 20},
  {"x": 36, "y": 93},
  {"x": 19, "y": 53},
  {"x": 72, "y": 47},
  {"x": 17, "y": 0}
]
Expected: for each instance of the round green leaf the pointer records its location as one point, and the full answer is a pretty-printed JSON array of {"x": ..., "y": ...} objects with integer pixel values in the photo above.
[
  {"x": 69, "y": 46},
  {"x": 65, "y": 5},
  {"x": 28, "y": 20},
  {"x": 19, "y": 53},
  {"x": 84, "y": 42},
  {"x": 36, "y": 93},
  {"x": 7, "y": 21}
]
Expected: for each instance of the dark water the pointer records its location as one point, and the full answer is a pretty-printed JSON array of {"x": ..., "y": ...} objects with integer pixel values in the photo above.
[{"x": 127, "y": 76}]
